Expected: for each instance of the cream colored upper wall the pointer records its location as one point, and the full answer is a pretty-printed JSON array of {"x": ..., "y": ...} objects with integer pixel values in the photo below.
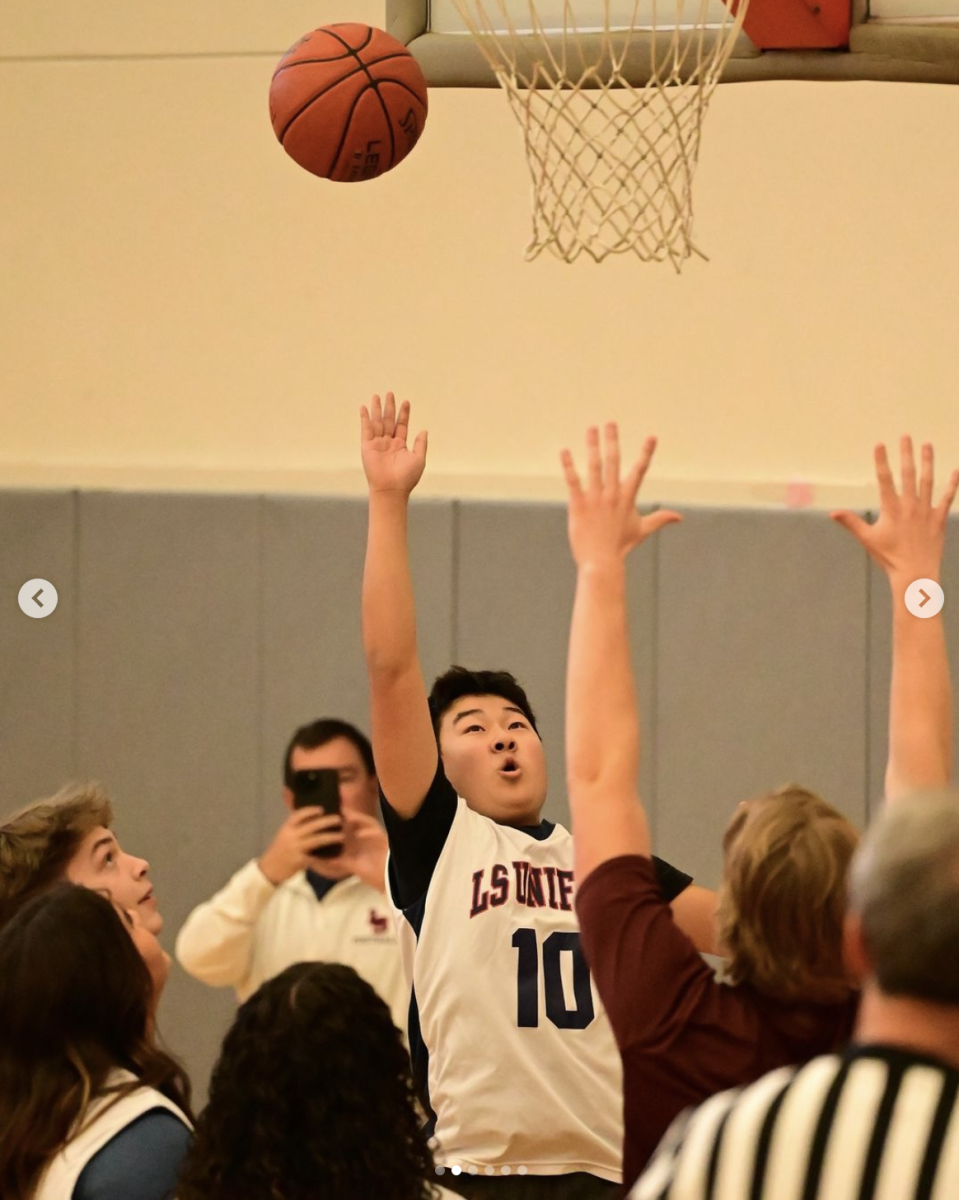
[{"x": 182, "y": 306}]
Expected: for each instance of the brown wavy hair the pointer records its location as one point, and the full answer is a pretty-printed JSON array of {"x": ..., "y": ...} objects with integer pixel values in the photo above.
[
  {"x": 76, "y": 1003},
  {"x": 38, "y": 842},
  {"x": 783, "y": 897},
  {"x": 312, "y": 1096}
]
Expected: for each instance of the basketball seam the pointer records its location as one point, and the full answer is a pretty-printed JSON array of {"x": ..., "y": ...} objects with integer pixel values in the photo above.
[
  {"x": 336, "y": 82},
  {"x": 376, "y": 92},
  {"x": 346, "y": 130},
  {"x": 304, "y": 62}
]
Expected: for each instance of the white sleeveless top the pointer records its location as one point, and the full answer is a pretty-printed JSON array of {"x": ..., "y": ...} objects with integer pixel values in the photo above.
[
  {"x": 523, "y": 1068},
  {"x": 94, "y": 1129}
]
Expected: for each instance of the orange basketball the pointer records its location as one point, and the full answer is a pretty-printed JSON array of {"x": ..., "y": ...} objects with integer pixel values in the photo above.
[{"x": 348, "y": 102}]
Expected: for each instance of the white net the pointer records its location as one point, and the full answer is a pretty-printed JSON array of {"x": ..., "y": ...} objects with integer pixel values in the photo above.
[{"x": 611, "y": 112}]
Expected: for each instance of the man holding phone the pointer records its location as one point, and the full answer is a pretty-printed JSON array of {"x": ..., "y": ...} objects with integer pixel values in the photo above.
[{"x": 317, "y": 891}]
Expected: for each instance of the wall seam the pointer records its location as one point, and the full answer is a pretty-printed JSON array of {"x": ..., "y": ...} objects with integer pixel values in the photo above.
[
  {"x": 75, "y": 513},
  {"x": 258, "y": 670},
  {"x": 455, "y": 574},
  {"x": 868, "y": 738}
]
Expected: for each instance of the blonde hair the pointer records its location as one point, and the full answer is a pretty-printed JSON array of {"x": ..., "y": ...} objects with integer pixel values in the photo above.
[
  {"x": 783, "y": 897},
  {"x": 38, "y": 842}
]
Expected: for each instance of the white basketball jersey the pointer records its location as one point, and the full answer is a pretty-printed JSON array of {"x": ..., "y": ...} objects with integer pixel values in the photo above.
[
  {"x": 98, "y": 1125},
  {"x": 523, "y": 1069}
]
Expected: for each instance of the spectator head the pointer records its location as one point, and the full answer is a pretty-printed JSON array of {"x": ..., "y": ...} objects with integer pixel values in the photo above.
[
  {"x": 903, "y": 922},
  {"x": 312, "y": 1096},
  {"x": 334, "y": 745},
  {"x": 68, "y": 837},
  {"x": 783, "y": 896}
]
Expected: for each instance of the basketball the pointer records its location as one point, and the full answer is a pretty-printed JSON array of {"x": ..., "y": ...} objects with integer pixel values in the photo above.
[{"x": 348, "y": 102}]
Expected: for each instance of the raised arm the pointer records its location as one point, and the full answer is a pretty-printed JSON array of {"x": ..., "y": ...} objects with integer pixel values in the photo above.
[
  {"x": 602, "y": 716},
  {"x": 403, "y": 743},
  {"x": 907, "y": 542}
]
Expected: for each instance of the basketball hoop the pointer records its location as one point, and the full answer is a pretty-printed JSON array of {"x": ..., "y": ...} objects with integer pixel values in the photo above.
[{"x": 612, "y": 159}]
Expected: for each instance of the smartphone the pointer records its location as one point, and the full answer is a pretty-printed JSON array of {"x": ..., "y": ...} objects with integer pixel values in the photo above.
[{"x": 319, "y": 789}]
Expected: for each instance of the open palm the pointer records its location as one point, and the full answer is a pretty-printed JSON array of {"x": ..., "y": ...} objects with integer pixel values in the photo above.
[
  {"x": 604, "y": 523},
  {"x": 909, "y": 535},
  {"x": 388, "y": 462}
]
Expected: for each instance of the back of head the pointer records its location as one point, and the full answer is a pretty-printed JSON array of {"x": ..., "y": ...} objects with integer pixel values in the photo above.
[
  {"x": 75, "y": 1002},
  {"x": 312, "y": 1096},
  {"x": 905, "y": 891},
  {"x": 319, "y": 733},
  {"x": 457, "y": 682},
  {"x": 783, "y": 896},
  {"x": 37, "y": 843}
]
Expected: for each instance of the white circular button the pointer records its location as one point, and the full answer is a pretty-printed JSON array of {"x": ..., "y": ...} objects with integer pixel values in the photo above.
[
  {"x": 924, "y": 598},
  {"x": 38, "y": 598}
]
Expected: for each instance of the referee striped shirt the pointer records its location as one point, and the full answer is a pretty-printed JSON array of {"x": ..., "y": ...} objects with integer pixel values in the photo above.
[{"x": 877, "y": 1123}]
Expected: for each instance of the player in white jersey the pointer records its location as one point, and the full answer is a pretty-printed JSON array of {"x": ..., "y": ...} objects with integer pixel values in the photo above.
[{"x": 518, "y": 1065}]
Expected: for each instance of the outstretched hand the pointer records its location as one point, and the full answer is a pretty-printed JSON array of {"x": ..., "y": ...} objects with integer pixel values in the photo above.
[
  {"x": 604, "y": 524},
  {"x": 390, "y": 465},
  {"x": 909, "y": 536}
]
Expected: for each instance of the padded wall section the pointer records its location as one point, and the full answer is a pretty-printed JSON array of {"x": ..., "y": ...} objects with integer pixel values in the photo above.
[
  {"x": 37, "y": 663},
  {"x": 168, "y": 713},
  {"x": 762, "y": 672},
  {"x": 880, "y": 659},
  {"x": 313, "y": 551},
  {"x": 514, "y": 599}
]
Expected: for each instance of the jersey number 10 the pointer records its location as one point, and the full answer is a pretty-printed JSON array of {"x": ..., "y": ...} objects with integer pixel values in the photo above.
[{"x": 527, "y": 981}]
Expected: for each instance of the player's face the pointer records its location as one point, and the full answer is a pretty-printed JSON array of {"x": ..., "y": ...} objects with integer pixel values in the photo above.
[
  {"x": 494, "y": 759},
  {"x": 101, "y": 865},
  {"x": 358, "y": 788}
]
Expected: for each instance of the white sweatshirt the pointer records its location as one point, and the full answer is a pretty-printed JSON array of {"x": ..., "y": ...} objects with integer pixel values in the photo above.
[{"x": 252, "y": 930}]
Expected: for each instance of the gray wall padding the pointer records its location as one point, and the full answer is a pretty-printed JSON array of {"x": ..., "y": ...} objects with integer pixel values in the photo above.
[
  {"x": 169, "y": 705},
  {"x": 195, "y": 632},
  {"x": 37, "y": 658},
  {"x": 761, "y": 653},
  {"x": 880, "y": 658}
]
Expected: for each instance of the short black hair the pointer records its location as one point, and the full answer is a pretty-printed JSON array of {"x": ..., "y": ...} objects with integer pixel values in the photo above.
[
  {"x": 318, "y": 733},
  {"x": 461, "y": 681}
]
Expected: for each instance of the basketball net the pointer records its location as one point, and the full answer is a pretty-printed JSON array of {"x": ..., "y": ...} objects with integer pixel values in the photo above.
[{"x": 612, "y": 161}]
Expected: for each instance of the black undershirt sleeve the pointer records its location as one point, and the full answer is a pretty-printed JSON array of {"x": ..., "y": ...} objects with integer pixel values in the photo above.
[
  {"x": 416, "y": 843},
  {"x": 671, "y": 879}
]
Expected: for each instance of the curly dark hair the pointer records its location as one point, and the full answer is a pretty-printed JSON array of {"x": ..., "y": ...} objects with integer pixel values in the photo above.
[
  {"x": 312, "y": 1096},
  {"x": 461, "y": 681},
  {"x": 76, "y": 1002}
]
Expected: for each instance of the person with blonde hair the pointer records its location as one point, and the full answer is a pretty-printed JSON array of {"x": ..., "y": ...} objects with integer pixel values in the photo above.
[
  {"x": 683, "y": 1035},
  {"x": 882, "y": 1118},
  {"x": 69, "y": 838}
]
